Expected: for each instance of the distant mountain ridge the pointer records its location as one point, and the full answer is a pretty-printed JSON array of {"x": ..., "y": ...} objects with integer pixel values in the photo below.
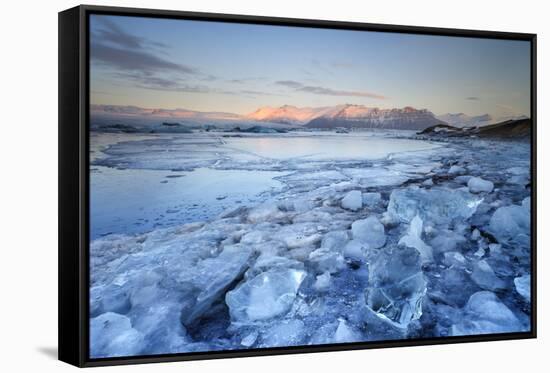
[
  {"x": 464, "y": 120},
  {"x": 509, "y": 129},
  {"x": 359, "y": 116},
  {"x": 326, "y": 117}
]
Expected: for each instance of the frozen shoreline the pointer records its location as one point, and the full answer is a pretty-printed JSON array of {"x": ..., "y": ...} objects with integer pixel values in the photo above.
[{"x": 449, "y": 225}]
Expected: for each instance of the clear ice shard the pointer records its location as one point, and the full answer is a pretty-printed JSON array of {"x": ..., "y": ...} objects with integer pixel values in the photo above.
[
  {"x": 268, "y": 295},
  {"x": 434, "y": 206},
  {"x": 413, "y": 238},
  {"x": 396, "y": 286}
]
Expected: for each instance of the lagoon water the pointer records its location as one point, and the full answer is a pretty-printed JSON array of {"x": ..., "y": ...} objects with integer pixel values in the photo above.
[{"x": 148, "y": 189}]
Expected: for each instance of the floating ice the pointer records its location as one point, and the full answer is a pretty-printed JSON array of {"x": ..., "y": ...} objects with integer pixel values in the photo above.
[
  {"x": 369, "y": 231},
  {"x": 486, "y": 314},
  {"x": 352, "y": 201},
  {"x": 413, "y": 239},
  {"x": 511, "y": 224},
  {"x": 268, "y": 295},
  {"x": 434, "y": 206},
  {"x": 478, "y": 185},
  {"x": 396, "y": 286},
  {"x": 523, "y": 286},
  {"x": 113, "y": 336},
  {"x": 485, "y": 277}
]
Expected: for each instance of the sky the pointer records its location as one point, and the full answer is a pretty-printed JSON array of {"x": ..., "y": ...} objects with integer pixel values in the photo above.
[{"x": 237, "y": 68}]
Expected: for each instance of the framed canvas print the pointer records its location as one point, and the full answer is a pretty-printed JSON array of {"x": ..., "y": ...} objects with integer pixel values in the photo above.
[{"x": 239, "y": 186}]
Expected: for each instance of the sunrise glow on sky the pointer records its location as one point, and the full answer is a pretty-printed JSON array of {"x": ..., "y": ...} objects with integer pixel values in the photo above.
[{"x": 237, "y": 68}]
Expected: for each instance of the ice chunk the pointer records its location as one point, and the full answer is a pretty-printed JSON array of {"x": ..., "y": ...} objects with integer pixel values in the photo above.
[
  {"x": 434, "y": 206},
  {"x": 475, "y": 234},
  {"x": 345, "y": 334},
  {"x": 249, "y": 339},
  {"x": 284, "y": 333},
  {"x": 372, "y": 199},
  {"x": 428, "y": 182},
  {"x": 210, "y": 279},
  {"x": 369, "y": 231},
  {"x": 478, "y": 185},
  {"x": 327, "y": 260},
  {"x": 298, "y": 235},
  {"x": 396, "y": 286},
  {"x": 526, "y": 203},
  {"x": 335, "y": 240},
  {"x": 113, "y": 336},
  {"x": 523, "y": 286},
  {"x": 268, "y": 211},
  {"x": 446, "y": 240},
  {"x": 352, "y": 201},
  {"x": 354, "y": 250},
  {"x": 413, "y": 239},
  {"x": 511, "y": 224},
  {"x": 454, "y": 258},
  {"x": 457, "y": 170},
  {"x": 268, "y": 295},
  {"x": 485, "y": 314},
  {"x": 484, "y": 276},
  {"x": 322, "y": 282}
]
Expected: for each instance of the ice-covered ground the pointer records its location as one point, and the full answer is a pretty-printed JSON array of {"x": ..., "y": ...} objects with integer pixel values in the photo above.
[{"x": 351, "y": 237}]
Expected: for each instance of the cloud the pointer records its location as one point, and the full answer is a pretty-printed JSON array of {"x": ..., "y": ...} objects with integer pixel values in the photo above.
[
  {"x": 140, "y": 61},
  {"x": 125, "y": 60},
  {"x": 318, "y": 90},
  {"x": 290, "y": 84},
  {"x": 473, "y": 98},
  {"x": 158, "y": 83},
  {"x": 110, "y": 32}
]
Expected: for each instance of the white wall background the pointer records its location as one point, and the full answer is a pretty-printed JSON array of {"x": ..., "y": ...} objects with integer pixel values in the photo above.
[{"x": 28, "y": 185}]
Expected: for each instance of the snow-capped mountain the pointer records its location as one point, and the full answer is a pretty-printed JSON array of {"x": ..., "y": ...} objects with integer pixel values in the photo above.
[
  {"x": 359, "y": 116},
  {"x": 289, "y": 114},
  {"x": 464, "y": 120}
]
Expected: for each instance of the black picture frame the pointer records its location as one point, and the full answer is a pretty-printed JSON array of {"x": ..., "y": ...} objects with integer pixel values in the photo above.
[{"x": 74, "y": 183}]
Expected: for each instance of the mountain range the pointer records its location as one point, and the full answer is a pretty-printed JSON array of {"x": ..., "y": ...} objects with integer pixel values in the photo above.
[{"x": 327, "y": 117}]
